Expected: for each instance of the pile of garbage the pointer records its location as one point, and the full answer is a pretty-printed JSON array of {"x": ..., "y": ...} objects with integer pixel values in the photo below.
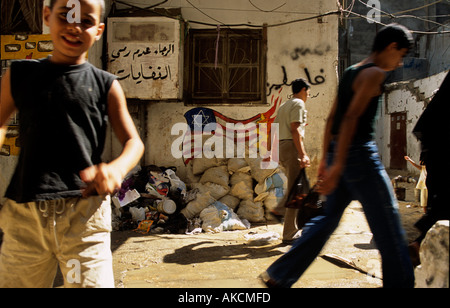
[
  {"x": 150, "y": 200},
  {"x": 219, "y": 195}
]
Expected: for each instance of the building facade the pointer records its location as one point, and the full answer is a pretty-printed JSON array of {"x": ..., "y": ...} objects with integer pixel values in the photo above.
[{"x": 234, "y": 59}]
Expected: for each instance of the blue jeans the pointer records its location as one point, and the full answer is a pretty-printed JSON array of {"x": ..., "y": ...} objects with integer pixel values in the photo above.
[{"x": 364, "y": 179}]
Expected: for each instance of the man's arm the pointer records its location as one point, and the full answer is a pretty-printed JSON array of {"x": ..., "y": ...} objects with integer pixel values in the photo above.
[
  {"x": 366, "y": 86},
  {"x": 298, "y": 142},
  {"x": 106, "y": 178}
]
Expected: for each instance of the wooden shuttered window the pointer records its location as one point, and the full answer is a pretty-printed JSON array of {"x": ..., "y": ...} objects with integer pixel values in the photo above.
[{"x": 227, "y": 67}]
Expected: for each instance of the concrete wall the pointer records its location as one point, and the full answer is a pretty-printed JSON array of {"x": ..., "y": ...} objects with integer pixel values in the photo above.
[
  {"x": 435, "y": 48},
  {"x": 310, "y": 45},
  {"x": 411, "y": 97}
]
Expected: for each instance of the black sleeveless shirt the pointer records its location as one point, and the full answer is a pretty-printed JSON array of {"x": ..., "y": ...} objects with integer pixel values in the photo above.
[
  {"x": 62, "y": 127},
  {"x": 365, "y": 130}
]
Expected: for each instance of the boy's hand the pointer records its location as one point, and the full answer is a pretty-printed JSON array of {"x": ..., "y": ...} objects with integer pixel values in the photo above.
[
  {"x": 321, "y": 172},
  {"x": 329, "y": 180},
  {"x": 102, "y": 179}
]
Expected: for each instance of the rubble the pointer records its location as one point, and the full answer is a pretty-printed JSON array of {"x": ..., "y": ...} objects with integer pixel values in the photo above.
[
  {"x": 434, "y": 269},
  {"x": 219, "y": 195}
]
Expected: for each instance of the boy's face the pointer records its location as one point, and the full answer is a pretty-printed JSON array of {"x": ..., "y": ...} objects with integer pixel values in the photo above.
[
  {"x": 305, "y": 94},
  {"x": 72, "y": 39},
  {"x": 394, "y": 57}
]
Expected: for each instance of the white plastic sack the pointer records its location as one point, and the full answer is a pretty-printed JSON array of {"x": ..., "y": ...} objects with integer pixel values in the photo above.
[
  {"x": 193, "y": 208},
  {"x": 218, "y": 217},
  {"x": 137, "y": 214},
  {"x": 175, "y": 183},
  {"x": 262, "y": 238}
]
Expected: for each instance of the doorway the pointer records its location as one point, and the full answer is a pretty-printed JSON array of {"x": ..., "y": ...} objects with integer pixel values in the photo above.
[{"x": 398, "y": 140}]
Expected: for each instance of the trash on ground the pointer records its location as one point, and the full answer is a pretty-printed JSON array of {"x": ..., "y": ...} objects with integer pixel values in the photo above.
[
  {"x": 264, "y": 237},
  {"x": 345, "y": 263},
  {"x": 219, "y": 195}
]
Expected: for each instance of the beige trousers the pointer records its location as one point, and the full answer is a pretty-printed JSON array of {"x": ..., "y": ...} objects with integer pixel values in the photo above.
[
  {"x": 72, "y": 233},
  {"x": 291, "y": 167}
]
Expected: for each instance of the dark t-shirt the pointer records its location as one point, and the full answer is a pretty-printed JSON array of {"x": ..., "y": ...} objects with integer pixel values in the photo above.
[
  {"x": 63, "y": 120},
  {"x": 365, "y": 130}
]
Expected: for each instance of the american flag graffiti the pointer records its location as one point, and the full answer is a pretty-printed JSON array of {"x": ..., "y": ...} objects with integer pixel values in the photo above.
[{"x": 204, "y": 121}]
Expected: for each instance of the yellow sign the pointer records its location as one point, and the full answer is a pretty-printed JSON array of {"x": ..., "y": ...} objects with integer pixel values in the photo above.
[
  {"x": 11, "y": 145},
  {"x": 15, "y": 47}
]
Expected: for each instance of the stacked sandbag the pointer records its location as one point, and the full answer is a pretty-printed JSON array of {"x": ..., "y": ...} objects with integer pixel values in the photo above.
[
  {"x": 213, "y": 179},
  {"x": 194, "y": 207},
  {"x": 271, "y": 191},
  {"x": 240, "y": 184},
  {"x": 271, "y": 184},
  {"x": 218, "y": 217}
]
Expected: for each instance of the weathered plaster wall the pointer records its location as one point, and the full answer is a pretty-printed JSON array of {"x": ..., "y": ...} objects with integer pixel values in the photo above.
[
  {"x": 411, "y": 97},
  {"x": 294, "y": 51}
]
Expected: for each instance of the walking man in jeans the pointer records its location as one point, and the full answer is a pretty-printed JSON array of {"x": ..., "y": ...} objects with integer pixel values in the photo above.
[{"x": 351, "y": 170}]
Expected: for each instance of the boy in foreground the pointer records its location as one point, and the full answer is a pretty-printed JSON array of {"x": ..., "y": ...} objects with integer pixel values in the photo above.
[
  {"x": 57, "y": 207},
  {"x": 351, "y": 170}
]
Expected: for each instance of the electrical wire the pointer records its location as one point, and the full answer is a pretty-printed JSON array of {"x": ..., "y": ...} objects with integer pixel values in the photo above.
[
  {"x": 394, "y": 15},
  {"x": 419, "y": 8},
  {"x": 340, "y": 11},
  {"x": 265, "y": 11},
  {"x": 412, "y": 31},
  {"x": 205, "y": 13}
]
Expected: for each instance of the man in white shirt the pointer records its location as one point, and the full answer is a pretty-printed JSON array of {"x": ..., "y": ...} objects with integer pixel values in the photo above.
[{"x": 291, "y": 119}]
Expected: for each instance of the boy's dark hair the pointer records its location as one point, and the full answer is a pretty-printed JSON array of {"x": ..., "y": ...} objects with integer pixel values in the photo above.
[
  {"x": 102, "y": 8},
  {"x": 299, "y": 84},
  {"x": 393, "y": 33}
]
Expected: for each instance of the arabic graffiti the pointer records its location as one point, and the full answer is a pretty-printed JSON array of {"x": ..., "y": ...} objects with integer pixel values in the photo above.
[
  {"x": 318, "y": 79},
  {"x": 145, "y": 55},
  {"x": 143, "y": 73},
  {"x": 142, "y": 62},
  {"x": 303, "y": 51},
  {"x": 145, "y": 70},
  {"x": 132, "y": 66},
  {"x": 163, "y": 50}
]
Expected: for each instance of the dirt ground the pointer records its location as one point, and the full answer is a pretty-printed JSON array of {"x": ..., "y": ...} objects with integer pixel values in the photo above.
[{"x": 229, "y": 260}]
